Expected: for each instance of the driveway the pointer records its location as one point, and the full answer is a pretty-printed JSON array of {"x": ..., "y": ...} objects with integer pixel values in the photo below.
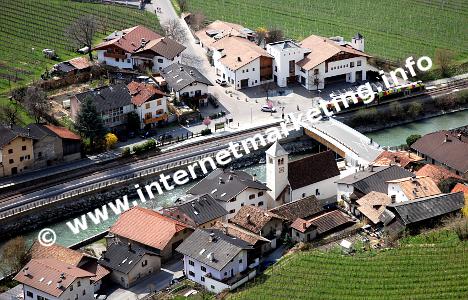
[{"x": 154, "y": 282}]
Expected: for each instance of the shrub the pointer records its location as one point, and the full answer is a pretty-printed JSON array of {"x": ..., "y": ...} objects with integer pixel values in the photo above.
[
  {"x": 366, "y": 115},
  {"x": 149, "y": 145},
  {"x": 447, "y": 184},
  {"x": 126, "y": 152},
  {"x": 446, "y": 102},
  {"x": 110, "y": 140},
  {"x": 412, "y": 139},
  {"x": 465, "y": 208},
  {"x": 461, "y": 228},
  {"x": 415, "y": 109},
  {"x": 205, "y": 131},
  {"x": 396, "y": 110}
]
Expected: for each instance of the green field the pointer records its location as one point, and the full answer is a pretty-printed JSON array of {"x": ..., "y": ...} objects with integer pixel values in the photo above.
[
  {"x": 39, "y": 24},
  {"x": 432, "y": 266},
  {"x": 392, "y": 29}
]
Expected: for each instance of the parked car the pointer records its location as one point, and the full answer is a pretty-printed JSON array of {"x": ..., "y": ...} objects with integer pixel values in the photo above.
[
  {"x": 268, "y": 109},
  {"x": 165, "y": 137},
  {"x": 221, "y": 82}
]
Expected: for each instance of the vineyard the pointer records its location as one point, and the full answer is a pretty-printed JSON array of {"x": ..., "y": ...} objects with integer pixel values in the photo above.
[
  {"x": 432, "y": 266},
  {"x": 28, "y": 26},
  {"x": 393, "y": 30}
]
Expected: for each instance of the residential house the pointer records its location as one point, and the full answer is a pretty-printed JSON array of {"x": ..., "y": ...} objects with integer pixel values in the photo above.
[
  {"x": 420, "y": 212},
  {"x": 436, "y": 173},
  {"x": 286, "y": 53},
  {"x": 404, "y": 159},
  {"x": 232, "y": 189},
  {"x": 445, "y": 149},
  {"x": 460, "y": 187},
  {"x": 150, "y": 103},
  {"x": 260, "y": 221},
  {"x": 214, "y": 259},
  {"x": 129, "y": 263},
  {"x": 113, "y": 103},
  {"x": 71, "y": 257},
  {"x": 301, "y": 208},
  {"x": 187, "y": 83},
  {"x": 138, "y": 47},
  {"x": 74, "y": 66},
  {"x": 16, "y": 150},
  {"x": 331, "y": 60},
  {"x": 201, "y": 211},
  {"x": 52, "y": 279},
  {"x": 373, "y": 178},
  {"x": 219, "y": 29},
  {"x": 150, "y": 230},
  {"x": 241, "y": 63},
  {"x": 411, "y": 188},
  {"x": 54, "y": 144},
  {"x": 371, "y": 206},
  {"x": 290, "y": 181}
]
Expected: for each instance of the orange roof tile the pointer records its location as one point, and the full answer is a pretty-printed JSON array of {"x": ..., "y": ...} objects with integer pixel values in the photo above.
[
  {"x": 45, "y": 274},
  {"x": 79, "y": 62},
  {"x": 437, "y": 173},
  {"x": 401, "y": 158},
  {"x": 373, "y": 204},
  {"x": 323, "y": 49},
  {"x": 460, "y": 187},
  {"x": 131, "y": 40},
  {"x": 63, "y": 132},
  {"x": 223, "y": 28},
  {"x": 58, "y": 252},
  {"x": 147, "y": 227},
  {"x": 142, "y": 92},
  {"x": 417, "y": 187}
]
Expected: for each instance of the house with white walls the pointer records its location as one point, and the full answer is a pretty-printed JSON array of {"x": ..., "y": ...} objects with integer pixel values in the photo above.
[
  {"x": 138, "y": 48},
  {"x": 286, "y": 55},
  {"x": 150, "y": 103},
  {"x": 233, "y": 189},
  {"x": 219, "y": 29},
  {"x": 411, "y": 188},
  {"x": 241, "y": 63},
  {"x": 215, "y": 260},
  {"x": 290, "y": 181}
]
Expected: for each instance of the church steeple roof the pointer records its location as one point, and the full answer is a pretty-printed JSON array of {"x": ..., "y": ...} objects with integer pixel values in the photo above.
[{"x": 276, "y": 150}]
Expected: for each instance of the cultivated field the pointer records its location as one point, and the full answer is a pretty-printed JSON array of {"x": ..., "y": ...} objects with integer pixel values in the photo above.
[
  {"x": 392, "y": 29},
  {"x": 38, "y": 24},
  {"x": 430, "y": 266}
]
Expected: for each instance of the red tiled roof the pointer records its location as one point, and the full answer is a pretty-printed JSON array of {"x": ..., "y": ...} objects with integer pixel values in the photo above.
[
  {"x": 147, "y": 227},
  {"x": 460, "y": 187},
  {"x": 58, "y": 252},
  {"x": 401, "y": 158},
  {"x": 253, "y": 218},
  {"x": 79, "y": 62},
  {"x": 142, "y": 92},
  {"x": 44, "y": 274},
  {"x": 63, "y": 132},
  {"x": 437, "y": 173},
  {"x": 131, "y": 40}
]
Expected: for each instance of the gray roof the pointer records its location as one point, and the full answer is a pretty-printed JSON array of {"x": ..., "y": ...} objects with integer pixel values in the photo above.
[
  {"x": 120, "y": 257},
  {"x": 108, "y": 97},
  {"x": 284, "y": 44},
  {"x": 374, "y": 179},
  {"x": 8, "y": 134},
  {"x": 212, "y": 247},
  {"x": 200, "y": 209},
  {"x": 225, "y": 184},
  {"x": 179, "y": 76},
  {"x": 427, "y": 207}
]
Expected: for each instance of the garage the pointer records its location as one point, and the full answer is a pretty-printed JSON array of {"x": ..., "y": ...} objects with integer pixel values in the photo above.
[
  {"x": 335, "y": 79},
  {"x": 244, "y": 83}
]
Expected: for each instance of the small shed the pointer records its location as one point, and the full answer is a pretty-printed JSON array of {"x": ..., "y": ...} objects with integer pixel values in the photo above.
[{"x": 346, "y": 246}]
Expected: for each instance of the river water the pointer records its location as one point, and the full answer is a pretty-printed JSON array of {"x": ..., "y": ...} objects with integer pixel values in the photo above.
[{"x": 388, "y": 137}]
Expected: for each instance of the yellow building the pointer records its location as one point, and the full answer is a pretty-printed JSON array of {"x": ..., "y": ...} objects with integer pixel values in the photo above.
[{"x": 16, "y": 150}]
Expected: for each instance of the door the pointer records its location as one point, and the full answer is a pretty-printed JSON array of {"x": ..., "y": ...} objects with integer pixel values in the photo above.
[
  {"x": 14, "y": 170},
  {"x": 244, "y": 83}
]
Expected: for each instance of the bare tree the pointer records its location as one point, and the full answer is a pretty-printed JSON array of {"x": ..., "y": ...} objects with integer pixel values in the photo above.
[
  {"x": 14, "y": 254},
  {"x": 174, "y": 30},
  {"x": 444, "y": 58},
  {"x": 261, "y": 33},
  {"x": 197, "y": 20},
  {"x": 82, "y": 31},
  {"x": 9, "y": 113},
  {"x": 36, "y": 102},
  {"x": 274, "y": 35}
]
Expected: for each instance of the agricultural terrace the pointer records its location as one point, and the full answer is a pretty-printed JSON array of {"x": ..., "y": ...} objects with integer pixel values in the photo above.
[
  {"x": 431, "y": 266},
  {"x": 392, "y": 29},
  {"x": 40, "y": 24}
]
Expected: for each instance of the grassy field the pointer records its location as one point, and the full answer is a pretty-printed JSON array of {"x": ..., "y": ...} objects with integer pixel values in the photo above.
[
  {"x": 392, "y": 29},
  {"x": 37, "y": 24},
  {"x": 432, "y": 266}
]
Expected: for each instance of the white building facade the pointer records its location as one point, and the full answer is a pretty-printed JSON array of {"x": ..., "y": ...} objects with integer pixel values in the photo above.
[{"x": 249, "y": 196}]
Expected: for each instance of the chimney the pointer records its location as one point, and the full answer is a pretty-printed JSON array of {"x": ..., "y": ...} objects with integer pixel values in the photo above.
[
  {"x": 459, "y": 136},
  {"x": 11, "y": 125},
  {"x": 129, "y": 247},
  {"x": 29, "y": 131},
  {"x": 181, "y": 68},
  {"x": 230, "y": 177},
  {"x": 254, "y": 177},
  {"x": 248, "y": 217},
  {"x": 59, "y": 283},
  {"x": 191, "y": 72},
  {"x": 238, "y": 59},
  {"x": 212, "y": 237},
  {"x": 26, "y": 271},
  {"x": 304, "y": 225},
  {"x": 446, "y": 138},
  {"x": 221, "y": 180}
]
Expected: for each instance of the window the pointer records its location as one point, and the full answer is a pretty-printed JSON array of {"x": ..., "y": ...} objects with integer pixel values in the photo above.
[
  {"x": 212, "y": 287},
  {"x": 253, "y": 69},
  {"x": 242, "y": 204},
  {"x": 160, "y": 60},
  {"x": 11, "y": 161},
  {"x": 316, "y": 71},
  {"x": 240, "y": 261},
  {"x": 252, "y": 196},
  {"x": 260, "y": 203},
  {"x": 191, "y": 273},
  {"x": 23, "y": 139},
  {"x": 358, "y": 63},
  {"x": 225, "y": 273},
  {"x": 144, "y": 263},
  {"x": 303, "y": 195},
  {"x": 260, "y": 194},
  {"x": 78, "y": 283},
  {"x": 29, "y": 294},
  {"x": 147, "y": 105},
  {"x": 21, "y": 158},
  {"x": 351, "y": 64},
  {"x": 148, "y": 115},
  {"x": 44, "y": 298},
  {"x": 317, "y": 192},
  {"x": 84, "y": 292},
  {"x": 276, "y": 69},
  {"x": 202, "y": 279},
  {"x": 247, "y": 70},
  {"x": 203, "y": 268},
  {"x": 10, "y": 151},
  {"x": 158, "y": 102},
  {"x": 243, "y": 71},
  {"x": 122, "y": 279},
  {"x": 232, "y": 211},
  {"x": 128, "y": 60},
  {"x": 190, "y": 262},
  {"x": 297, "y": 234},
  {"x": 28, "y": 156}
]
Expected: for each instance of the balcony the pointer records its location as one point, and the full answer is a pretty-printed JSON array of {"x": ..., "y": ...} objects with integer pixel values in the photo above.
[
  {"x": 115, "y": 55},
  {"x": 162, "y": 117}
]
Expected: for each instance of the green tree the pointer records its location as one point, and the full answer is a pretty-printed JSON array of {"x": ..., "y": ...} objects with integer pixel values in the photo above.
[
  {"x": 447, "y": 184},
  {"x": 396, "y": 110},
  {"x": 412, "y": 138},
  {"x": 89, "y": 123},
  {"x": 415, "y": 109}
]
